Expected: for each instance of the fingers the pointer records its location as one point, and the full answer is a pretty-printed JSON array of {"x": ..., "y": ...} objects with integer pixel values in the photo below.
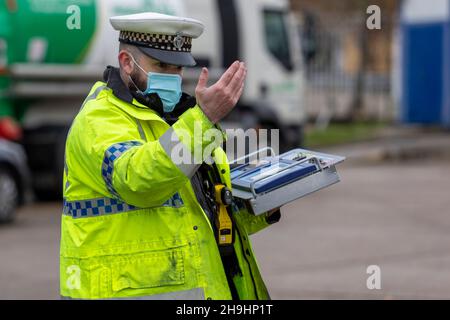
[
  {"x": 238, "y": 94},
  {"x": 238, "y": 78},
  {"x": 203, "y": 79},
  {"x": 228, "y": 75}
]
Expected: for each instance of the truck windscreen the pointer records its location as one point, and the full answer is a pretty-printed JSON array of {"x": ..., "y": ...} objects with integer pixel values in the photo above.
[{"x": 277, "y": 39}]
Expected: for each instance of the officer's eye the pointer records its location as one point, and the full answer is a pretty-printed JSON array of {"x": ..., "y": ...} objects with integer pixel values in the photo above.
[
  {"x": 166, "y": 66},
  {"x": 163, "y": 65}
]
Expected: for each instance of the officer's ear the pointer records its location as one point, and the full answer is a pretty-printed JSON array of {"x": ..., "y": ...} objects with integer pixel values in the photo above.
[{"x": 125, "y": 62}]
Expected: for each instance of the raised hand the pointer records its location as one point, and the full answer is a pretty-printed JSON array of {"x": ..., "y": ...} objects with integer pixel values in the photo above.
[{"x": 219, "y": 99}]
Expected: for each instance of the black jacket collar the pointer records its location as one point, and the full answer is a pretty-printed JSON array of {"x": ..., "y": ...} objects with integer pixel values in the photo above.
[{"x": 113, "y": 80}]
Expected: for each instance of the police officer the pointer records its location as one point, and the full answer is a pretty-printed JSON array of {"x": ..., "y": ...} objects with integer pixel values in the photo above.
[{"x": 138, "y": 223}]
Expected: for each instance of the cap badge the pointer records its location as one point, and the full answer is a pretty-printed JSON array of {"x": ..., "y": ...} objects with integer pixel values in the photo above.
[{"x": 178, "y": 42}]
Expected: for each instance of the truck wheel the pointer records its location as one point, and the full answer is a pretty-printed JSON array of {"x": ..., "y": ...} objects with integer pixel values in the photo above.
[{"x": 9, "y": 195}]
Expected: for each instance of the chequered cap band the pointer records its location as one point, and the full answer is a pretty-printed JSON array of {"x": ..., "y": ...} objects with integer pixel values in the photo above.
[{"x": 166, "y": 42}]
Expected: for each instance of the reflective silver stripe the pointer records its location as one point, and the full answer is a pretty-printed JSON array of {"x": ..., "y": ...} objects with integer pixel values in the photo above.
[
  {"x": 93, "y": 95},
  {"x": 170, "y": 140},
  {"x": 141, "y": 131},
  {"x": 66, "y": 172},
  {"x": 89, "y": 98},
  {"x": 193, "y": 294}
]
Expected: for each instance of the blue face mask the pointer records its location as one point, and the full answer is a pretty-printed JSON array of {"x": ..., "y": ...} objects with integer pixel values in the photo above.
[{"x": 166, "y": 86}]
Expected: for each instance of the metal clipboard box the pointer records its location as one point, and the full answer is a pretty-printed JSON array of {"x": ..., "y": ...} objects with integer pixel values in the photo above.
[{"x": 277, "y": 180}]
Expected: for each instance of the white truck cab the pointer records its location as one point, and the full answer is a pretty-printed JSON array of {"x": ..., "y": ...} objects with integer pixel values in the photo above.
[
  {"x": 262, "y": 33},
  {"x": 47, "y": 81}
]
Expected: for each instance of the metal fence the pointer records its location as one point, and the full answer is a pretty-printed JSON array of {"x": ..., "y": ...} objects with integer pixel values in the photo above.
[{"x": 347, "y": 68}]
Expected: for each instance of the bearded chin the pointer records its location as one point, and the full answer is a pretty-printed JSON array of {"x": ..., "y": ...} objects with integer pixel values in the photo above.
[{"x": 136, "y": 81}]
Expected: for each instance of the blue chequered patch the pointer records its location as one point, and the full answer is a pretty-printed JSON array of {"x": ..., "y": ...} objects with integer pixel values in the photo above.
[
  {"x": 175, "y": 201},
  {"x": 95, "y": 207},
  {"x": 103, "y": 206},
  {"x": 111, "y": 154}
]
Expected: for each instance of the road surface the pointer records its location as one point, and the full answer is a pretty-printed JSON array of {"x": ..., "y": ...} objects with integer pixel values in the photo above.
[{"x": 394, "y": 216}]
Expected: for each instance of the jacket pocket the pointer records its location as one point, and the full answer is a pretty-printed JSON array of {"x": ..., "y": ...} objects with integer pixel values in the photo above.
[{"x": 134, "y": 274}]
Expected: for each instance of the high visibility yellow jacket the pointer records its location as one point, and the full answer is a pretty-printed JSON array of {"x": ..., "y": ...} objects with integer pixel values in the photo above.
[{"x": 132, "y": 225}]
